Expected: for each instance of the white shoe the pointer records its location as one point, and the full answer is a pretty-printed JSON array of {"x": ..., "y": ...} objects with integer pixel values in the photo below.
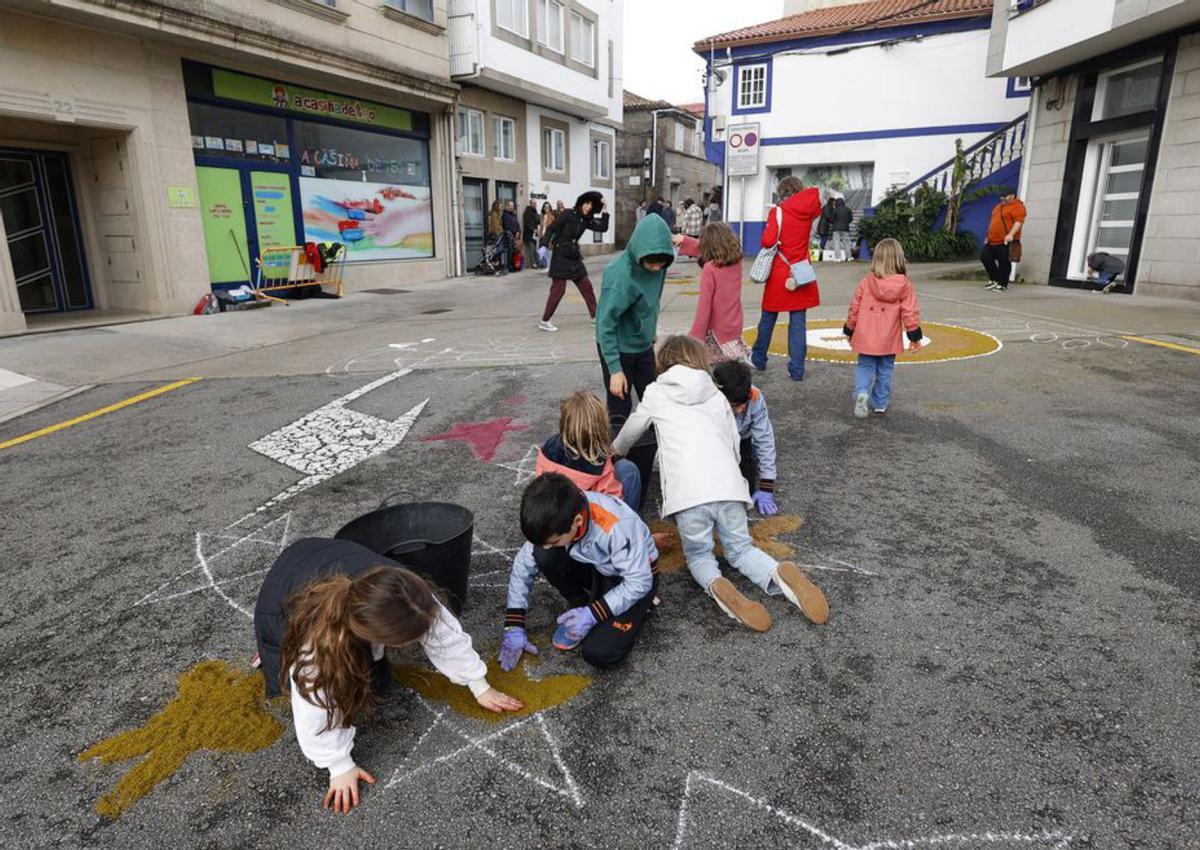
[
  {"x": 546, "y": 326},
  {"x": 861, "y": 411},
  {"x": 991, "y": 285}
]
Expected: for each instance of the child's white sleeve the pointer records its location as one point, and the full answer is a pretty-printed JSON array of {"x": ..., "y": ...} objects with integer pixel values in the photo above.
[
  {"x": 449, "y": 649},
  {"x": 634, "y": 427},
  {"x": 326, "y": 748}
]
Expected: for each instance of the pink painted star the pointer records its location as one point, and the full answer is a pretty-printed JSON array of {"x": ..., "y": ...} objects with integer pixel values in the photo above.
[{"x": 483, "y": 437}]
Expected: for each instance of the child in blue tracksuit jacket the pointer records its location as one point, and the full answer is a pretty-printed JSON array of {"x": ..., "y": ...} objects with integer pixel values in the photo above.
[
  {"x": 754, "y": 427},
  {"x": 596, "y": 552}
]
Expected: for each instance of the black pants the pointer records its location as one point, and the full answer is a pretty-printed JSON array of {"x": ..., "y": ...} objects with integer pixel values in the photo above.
[
  {"x": 609, "y": 642},
  {"x": 995, "y": 259},
  {"x": 640, "y": 371},
  {"x": 749, "y": 465}
]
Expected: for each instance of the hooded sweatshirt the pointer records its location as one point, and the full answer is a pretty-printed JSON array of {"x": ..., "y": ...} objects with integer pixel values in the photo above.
[
  {"x": 627, "y": 315},
  {"x": 553, "y": 456},
  {"x": 882, "y": 308},
  {"x": 698, "y": 444}
]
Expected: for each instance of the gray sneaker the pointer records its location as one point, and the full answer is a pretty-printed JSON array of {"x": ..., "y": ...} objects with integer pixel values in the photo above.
[
  {"x": 991, "y": 284},
  {"x": 1110, "y": 286},
  {"x": 861, "y": 411}
]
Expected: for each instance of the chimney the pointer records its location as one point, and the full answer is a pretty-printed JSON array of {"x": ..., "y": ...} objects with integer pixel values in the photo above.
[{"x": 795, "y": 7}]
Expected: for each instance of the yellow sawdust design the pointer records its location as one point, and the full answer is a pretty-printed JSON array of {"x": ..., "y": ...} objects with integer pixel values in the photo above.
[
  {"x": 217, "y": 708},
  {"x": 763, "y": 533},
  {"x": 947, "y": 342},
  {"x": 538, "y": 695}
]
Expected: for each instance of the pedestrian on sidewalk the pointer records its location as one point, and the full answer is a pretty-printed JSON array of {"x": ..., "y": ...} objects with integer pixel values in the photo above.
[
  {"x": 566, "y": 261},
  {"x": 825, "y": 224},
  {"x": 668, "y": 214},
  {"x": 719, "y": 317},
  {"x": 548, "y": 217},
  {"x": 693, "y": 219},
  {"x": 1003, "y": 244},
  {"x": 512, "y": 234},
  {"x": 800, "y": 208},
  {"x": 530, "y": 222},
  {"x": 840, "y": 230}
]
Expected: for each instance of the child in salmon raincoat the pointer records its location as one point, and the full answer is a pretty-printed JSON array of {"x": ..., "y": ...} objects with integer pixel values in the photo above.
[{"x": 884, "y": 307}]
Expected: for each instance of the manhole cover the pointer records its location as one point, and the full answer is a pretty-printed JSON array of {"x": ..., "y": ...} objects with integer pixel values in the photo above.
[{"x": 386, "y": 291}]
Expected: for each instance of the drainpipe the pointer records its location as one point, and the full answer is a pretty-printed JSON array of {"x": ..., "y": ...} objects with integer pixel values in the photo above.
[
  {"x": 654, "y": 149},
  {"x": 1027, "y": 153},
  {"x": 456, "y": 223}
]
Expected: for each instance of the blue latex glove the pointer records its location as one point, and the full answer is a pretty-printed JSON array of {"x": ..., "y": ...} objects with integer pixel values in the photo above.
[
  {"x": 578, "y": 622},
  {"x": 764, "y": 502},
  {"x": 512, "y": 645},
  {"x": 543, "y": 254}
]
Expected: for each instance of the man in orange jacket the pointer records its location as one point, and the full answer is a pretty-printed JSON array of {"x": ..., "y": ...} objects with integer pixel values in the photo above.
[{"x": 1008, "y": 217}]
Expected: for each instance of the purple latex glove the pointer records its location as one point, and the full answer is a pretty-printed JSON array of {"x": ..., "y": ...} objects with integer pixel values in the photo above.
[
  {"x": 764, "y": 503},
  {"x": 578, "y": 622},
  {"x": 512, "y": 645}
]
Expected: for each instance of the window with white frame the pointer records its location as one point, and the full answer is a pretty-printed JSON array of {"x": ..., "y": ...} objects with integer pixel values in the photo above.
[
  {"x": 511, "y": 15},
  {"x": 752, "y": 87},
  {"x": 554, "y": 150},
  {"x": 678, "y": 136},
  {"x": 504, "y": 138},
  {"x": 583, "y": 35},
  {"x": 470, "y": 131},
  {"x": 601, "y": 159},
  {"x": 1109, "y": 197},
  {"x": 697, "y": 140},
  {"x": 1128, "y": 90},
  {"x": 550, "y": 24},
  {"x": 416, "y": 8}
]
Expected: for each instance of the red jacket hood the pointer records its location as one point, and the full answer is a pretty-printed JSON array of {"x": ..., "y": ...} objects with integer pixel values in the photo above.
[{"x": 889, "y": 289}]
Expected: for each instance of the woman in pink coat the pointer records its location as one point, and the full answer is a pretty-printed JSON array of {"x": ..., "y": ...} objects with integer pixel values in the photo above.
[
  {"x": 884, "y": 306},
  {"x": 800, "y": 208}
]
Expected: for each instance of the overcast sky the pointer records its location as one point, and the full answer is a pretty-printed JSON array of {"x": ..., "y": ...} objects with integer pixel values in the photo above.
[{"x": 658, "y": 39}]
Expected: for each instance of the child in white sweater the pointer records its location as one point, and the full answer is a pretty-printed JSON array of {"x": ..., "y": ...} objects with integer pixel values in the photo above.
[{"x": 703, "y": 487}]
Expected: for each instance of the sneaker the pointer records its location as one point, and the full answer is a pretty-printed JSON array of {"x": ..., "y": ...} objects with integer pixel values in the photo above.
[
  {"x": 991, "y": 284},
  {"x": 732, "y": 602},
  {"x": 1110, "y": 286},
  {"x": 546, "y": 326},
  {"x": 563, "y": 640},
  {"x": 801, "y": 592},
  {"x": 860, "y": 406},
  {"x": 1000, "y": 287},
  {"x": 881, "y": 410}
]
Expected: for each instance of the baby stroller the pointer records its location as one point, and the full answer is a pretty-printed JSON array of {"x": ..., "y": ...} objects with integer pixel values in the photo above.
[{"x": 493, "y": 258}]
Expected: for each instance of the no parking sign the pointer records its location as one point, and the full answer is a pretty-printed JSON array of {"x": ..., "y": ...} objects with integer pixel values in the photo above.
[{"x": 741, "y": 150}]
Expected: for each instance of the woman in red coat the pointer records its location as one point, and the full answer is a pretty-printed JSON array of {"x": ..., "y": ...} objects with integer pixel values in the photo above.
[{"x": 801, "y": 207}]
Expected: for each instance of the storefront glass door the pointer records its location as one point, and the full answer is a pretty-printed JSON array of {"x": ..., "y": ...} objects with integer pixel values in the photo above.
[
  {"x": 474, "y": 219},
  {"x": 223, "y": 212}
]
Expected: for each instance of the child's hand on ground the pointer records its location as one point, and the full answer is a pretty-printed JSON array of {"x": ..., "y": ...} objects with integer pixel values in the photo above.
[
  {"x": 514, "y": 643},
  {"x": 764, "y": 503},
  {"x": 617, "y": 385},
  {"x": 578, "y": 621},
  {"x": 343, "y": 789},
  {"x": 498, "y": 701}
]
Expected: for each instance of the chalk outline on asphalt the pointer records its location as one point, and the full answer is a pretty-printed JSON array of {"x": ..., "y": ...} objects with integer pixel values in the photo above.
[
  {"x": 525, "y": 467},
  {"x": 1051, "y": 840}
]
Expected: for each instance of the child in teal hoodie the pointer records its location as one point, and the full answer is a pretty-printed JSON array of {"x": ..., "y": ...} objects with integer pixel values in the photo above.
[{"x": 627, "y": 315}]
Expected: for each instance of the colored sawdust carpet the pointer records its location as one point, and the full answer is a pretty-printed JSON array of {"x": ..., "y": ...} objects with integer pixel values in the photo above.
[
  {"x": 942, "y": 342},
  {"x": 216, "y": 709},
  {"x": 483, "y": 437},
  {"x": 537, "y": 694},
  {"x": 764, "y": 534}
]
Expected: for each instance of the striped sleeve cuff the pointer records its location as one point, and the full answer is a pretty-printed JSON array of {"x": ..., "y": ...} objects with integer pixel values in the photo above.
[
  {"x": 767, "y": 485},
  {"x": 601, "y": 610},
  {"x": 514, "y": 617}
]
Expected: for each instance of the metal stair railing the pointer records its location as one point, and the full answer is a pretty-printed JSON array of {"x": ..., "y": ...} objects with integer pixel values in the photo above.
[{"x": 983, "y": 158}]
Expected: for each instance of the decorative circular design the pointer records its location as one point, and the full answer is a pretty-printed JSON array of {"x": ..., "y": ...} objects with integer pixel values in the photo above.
[
  {"x": 751, "y": 138},
  {"x": 826, "y": 342},
  {"x": 735, "y": 141}
]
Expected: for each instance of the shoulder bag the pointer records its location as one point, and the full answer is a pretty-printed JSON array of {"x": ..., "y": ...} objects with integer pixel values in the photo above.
[{"x": 760, "y": 271}]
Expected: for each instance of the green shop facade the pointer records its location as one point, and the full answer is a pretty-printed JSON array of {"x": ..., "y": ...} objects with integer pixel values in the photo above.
[{"x": 279, "y": 164}]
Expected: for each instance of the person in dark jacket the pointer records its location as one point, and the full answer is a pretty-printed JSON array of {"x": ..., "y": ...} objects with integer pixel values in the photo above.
[
  {"x": 656, "y": 207},
  {"x": 512, "y": 232},
  {"x": 566, "y": 261},
  {"x": 825, "y": 223},
  {"x": 668, "y": 215},
  {"x": 1104, "y": 269},
  {"x": 530, "y": 221},
  {"x": 840, "y": 230}
]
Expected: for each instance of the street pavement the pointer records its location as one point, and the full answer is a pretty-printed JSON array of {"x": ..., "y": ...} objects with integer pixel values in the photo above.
[{"x": 1010, "y": 556}]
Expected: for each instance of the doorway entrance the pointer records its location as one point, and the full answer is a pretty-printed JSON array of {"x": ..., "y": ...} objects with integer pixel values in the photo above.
[
  {"x": 41, "y": 224},
  {"x": 475, "y": 206},
  {"x": 243, "y": 211}
]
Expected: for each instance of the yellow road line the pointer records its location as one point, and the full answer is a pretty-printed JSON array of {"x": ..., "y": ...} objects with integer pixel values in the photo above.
[
  {"x": 1174, "y": 346},
  {"x": 50, "y": 429}
]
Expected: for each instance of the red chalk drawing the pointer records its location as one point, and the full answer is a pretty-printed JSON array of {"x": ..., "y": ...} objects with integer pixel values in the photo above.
[
  {"x": 483, "y": 437},
  {"x": 515, "y": 400}
]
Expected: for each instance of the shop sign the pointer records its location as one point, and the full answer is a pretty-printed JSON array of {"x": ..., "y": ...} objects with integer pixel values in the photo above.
[{"x": 303, "y": 101}]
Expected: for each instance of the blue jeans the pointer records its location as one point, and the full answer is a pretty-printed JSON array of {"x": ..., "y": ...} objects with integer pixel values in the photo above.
[
  {"x": 797, "y": 342},
  {"x": 729, "y": 518},
  {"x": 875, "y": 369},
  {"x": 631, "y": 482}
]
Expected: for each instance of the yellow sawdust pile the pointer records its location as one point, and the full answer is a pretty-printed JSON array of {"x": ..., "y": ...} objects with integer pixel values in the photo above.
[
  {"x": 217, "y": 709},
  {"x": 764, "y": 533},
  {"x": 538, "y": 695}
]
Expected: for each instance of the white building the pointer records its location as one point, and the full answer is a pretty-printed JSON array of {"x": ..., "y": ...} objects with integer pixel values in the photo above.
[
  {"x": 552, "y": 67},
  {"x": 859, "y": 97},
  {"x": 1113, "y": 159}
]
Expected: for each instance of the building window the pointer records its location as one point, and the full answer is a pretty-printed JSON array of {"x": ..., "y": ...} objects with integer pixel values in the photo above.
[
  {"x": 583, "y": 34},
  {"x": 504, "y": 138},
  {"x": 417, "y": 8},
  {"x": 601, "y": 159},
  {"x": 510, "y": 14},
  {"x": 752, "y": 87},
  {"x": 678, "y": 136},
  {"x": 1128, "y": 91},
  {"x": 470, "y": 132},
  {"x": 1112, "y": 188},
  {"x": 554, "y": 150},
  {"x": 550, "y": 24}
]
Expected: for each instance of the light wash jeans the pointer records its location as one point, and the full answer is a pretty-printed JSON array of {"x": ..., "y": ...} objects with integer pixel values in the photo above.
[
  {"x": 696, "y": 531},
  {"x": 627, "y": 473},
  {"x": 875, "y": 370},
  {"x": 840, "y": 241}
]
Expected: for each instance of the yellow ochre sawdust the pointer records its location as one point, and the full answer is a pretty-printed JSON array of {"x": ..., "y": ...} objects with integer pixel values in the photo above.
[
  {"x": 538, "y": 695},
  {"x": 671, "y": 560},
  {"x": 216, "y": 709},
  {"x": 946, "y": 342}
]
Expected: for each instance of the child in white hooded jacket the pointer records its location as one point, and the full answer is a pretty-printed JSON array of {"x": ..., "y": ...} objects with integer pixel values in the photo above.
[{"x": 703, "y": 487}]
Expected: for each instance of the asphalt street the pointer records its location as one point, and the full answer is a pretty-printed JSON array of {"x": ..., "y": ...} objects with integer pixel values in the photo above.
[{"x": 1011, "y": 557}]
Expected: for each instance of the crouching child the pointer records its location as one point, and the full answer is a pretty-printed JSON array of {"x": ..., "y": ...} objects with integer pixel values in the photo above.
[{"x": 755, "y": 431}]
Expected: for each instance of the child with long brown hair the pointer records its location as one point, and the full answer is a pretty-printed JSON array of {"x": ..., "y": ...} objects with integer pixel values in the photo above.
[
  {"x": 325, "y": 616},
  {"x": 582, "y": 451},
  {"x": 719, "y": 317},
  {"x": 703, "y": 488}
]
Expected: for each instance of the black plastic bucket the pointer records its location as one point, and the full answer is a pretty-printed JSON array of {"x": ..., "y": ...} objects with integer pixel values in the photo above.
[
  {"x": 433, "y": 539},
  {"x": 641, "y": 454}
]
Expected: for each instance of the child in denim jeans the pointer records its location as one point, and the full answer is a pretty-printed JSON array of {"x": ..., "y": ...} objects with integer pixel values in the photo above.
[{"x": 703, "y": 487}]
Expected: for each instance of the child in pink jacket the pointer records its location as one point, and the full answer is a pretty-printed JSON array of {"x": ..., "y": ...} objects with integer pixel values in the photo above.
[
  {"x": 884, "y": 306},
  {"x": 719, "y": 318}
]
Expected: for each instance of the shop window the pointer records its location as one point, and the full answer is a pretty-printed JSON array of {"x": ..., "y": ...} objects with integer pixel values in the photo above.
[
  {"x": 601, "y": 159},
  {"x": 550, "y": 24},
  {"x": 554, "y": 150},
  {"x": 510, "y": 15},
  {"x": 470, "y": 132},
  {"x": 234, "y": 134},
  {"x": 1128, "y": 91},
  {"x": 504, "y": 138},
  {"x": 416, "y": 8},
  {"x": 752, "y": 87},
  {"x": 583, "y": 35}
]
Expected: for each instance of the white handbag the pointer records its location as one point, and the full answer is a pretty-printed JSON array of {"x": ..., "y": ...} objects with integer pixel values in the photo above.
[{"x": 760, "y": 271}]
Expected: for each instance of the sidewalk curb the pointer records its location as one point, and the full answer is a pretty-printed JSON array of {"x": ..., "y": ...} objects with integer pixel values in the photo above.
[{"x": 46, "y": 402}]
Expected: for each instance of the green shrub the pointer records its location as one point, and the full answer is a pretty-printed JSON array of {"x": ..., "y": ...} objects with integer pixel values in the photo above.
[{"x": 913, "y": 226}]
